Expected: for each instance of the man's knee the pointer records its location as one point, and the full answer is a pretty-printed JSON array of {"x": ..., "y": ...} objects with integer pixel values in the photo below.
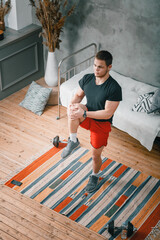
[{"x": 75, "y": 106}]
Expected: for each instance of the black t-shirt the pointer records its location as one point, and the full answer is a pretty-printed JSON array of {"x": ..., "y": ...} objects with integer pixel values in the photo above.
[{"x": 98, "y": 94}]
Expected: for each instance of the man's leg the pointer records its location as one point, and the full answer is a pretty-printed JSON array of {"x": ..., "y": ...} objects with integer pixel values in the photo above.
[
  {"x": 97, "y": 160},
  {"x": 99, "y": 137},
  {"x": 73, "y": 125},
  {"x": 96, "y": 163}
]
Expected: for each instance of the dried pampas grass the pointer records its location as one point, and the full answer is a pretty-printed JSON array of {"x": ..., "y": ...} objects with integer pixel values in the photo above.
[
  {"x": 50, "y": 16},
  {"x": 4, "y": 9}
]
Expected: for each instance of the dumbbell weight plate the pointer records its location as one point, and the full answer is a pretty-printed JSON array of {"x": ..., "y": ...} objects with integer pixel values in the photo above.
[
  {"x": 56, "y": 141},
  {"x": 130, "y": 229},
  {"x": 111, "y": 227}
]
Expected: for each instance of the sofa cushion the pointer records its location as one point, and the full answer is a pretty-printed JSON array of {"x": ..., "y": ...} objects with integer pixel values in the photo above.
[
  {"x": 36, "y": 98},
  {"x": 144, "y": 102},
  {"x": 155, "y": 106}
]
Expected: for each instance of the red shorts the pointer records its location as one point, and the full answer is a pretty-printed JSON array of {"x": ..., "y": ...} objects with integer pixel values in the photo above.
[{"x": 99, "y": 131}]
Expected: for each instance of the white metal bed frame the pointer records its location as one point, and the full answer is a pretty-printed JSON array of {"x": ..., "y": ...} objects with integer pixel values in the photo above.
[{"x": 66, "y": 75}]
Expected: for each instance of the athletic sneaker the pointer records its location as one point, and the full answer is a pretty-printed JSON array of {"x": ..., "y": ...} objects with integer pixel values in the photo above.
[
  {"x": 70, "y": 147},
  {"x": 92, "y": 184}
]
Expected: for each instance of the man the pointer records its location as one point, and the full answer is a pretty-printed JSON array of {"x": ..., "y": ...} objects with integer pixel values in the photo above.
[{"x": 103, "y": 95}]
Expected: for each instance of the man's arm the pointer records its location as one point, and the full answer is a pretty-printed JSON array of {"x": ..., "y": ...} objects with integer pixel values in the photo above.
[
  {"x": 110, "y": 108},
  {"x": 77, "y": 98}
]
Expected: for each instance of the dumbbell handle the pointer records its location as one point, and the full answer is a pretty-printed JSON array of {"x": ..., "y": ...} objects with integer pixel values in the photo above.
[
  {"x": 62, "y": 141},
  {"x": 56, "y": 141}
]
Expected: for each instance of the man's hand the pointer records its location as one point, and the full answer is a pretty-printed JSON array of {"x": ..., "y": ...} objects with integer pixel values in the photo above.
[{"x": 75, "y": 111}]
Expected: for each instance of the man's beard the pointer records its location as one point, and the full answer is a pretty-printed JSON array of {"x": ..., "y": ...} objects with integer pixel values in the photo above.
[{"x": 101, "y": 76}]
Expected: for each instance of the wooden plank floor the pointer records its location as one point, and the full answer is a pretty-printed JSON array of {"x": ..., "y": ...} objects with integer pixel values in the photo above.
[
  {"x": 23, "y": 218},
  {"x": 24, "y": 134}
]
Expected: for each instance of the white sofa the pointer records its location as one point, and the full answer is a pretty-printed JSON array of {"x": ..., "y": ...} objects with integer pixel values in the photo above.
[{"x": 142, "y": 126}]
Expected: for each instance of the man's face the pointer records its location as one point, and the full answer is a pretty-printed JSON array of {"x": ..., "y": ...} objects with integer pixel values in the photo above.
[{"x": 100, "y": 68}]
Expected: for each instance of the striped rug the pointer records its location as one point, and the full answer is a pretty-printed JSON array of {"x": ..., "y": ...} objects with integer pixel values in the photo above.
[{"x": 124, "y": 194}]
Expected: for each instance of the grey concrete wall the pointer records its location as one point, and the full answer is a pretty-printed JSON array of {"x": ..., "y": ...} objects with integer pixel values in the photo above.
[{"x": 129, "y": 29}]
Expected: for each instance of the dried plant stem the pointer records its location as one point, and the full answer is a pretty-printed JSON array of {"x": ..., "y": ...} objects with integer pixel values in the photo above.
[
  {"x": 50, "y": 16},
  {"x": 4, "y": 9}
]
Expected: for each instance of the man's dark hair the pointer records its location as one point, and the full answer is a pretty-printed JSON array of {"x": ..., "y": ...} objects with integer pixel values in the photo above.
[{"x": 106, "y": 56}]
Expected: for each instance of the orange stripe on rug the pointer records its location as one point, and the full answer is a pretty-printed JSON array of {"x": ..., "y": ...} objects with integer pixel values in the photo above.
[
  {"x": 79, "y": 189},
  {"x": 146, "y": 228},
  {"x": 147, "y": 209},
  {"x": 63, "y": 204},
  {"x": 38, "y": 172},
  {"x": 100, "y": 191},
  {"x": 99, "y": 223},
  {"x": 120, "y": 171},
  {"x": 77, "y": 213},
  {"x": 35, "y": 164},
  {"x": 141, "y": 178},
  {"x": 43, "y": 194},
  {"x": 105, "y": 164},
  {"x": 121, "y": 200},
  {"x": 66, "y": 174},
  {"x": 85, "y": 157}
]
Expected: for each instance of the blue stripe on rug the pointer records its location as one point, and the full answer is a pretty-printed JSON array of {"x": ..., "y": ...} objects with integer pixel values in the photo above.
[
  {"x": 122, "y": 191},
  {"x": 117, "y": 214},
  {"x": 53, "y": 179},
  {"x": 66, "y": 181},
  {"x": 102, "y": 195},
  {"x": 123, "y": 194},
  {"x": 77, "y": 164},
  {"x": 137, "y": 210},
  {"x": 101, "y": 183},
  {"x": 42, "y": 176},
  {"x": 141, "y": 205}
]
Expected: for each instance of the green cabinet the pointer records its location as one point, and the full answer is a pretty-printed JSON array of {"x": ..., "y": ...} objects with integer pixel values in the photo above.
[{"x": 21, "y": 59}]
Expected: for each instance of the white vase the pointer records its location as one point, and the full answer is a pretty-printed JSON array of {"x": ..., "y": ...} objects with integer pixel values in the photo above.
[
  {"x": 51, "y": 73},
  {"x": 20, "y": 14}
]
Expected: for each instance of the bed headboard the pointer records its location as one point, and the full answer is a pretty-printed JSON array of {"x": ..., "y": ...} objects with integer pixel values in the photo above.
[{"x": 77, "y": 66}]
